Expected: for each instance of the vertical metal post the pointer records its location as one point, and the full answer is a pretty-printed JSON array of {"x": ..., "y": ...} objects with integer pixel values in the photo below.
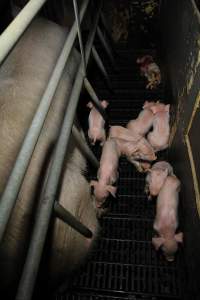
[
  {"x": 107, "y": 48},
  {"x": 95, "y": 99},
  {"x": 83, "y": 146},
  {"x": 101, "y": 67},
  {"x": 79, "y": 35},
  {"x": 30, "y": 270}
]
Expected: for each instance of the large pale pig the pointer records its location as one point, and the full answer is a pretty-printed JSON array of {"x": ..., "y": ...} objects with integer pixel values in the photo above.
[
  {"x": 156, "y": 177},
  {"x": 107, "y": 173},
  {"x": 159, "y": 137},
  {"x": 166, "y": 221},
  {"x": 156, "y": 106},
  {"x": 143, "y": 123},
  {"x": 23, "y": 78},
  {"x": 96, "y": 131}
]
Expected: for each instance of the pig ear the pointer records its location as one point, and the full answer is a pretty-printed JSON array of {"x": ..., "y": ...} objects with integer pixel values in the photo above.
[
  {"x": 90, "y": 105},
  {"x": 157, "y": 242},
  {"x": 112, "y": 190},
  {"x": 179, "y": 237},
  {"x": 104, "y": 103},
  {"x": 145, "y": 103},
  {"x": 167, "y": 107}
]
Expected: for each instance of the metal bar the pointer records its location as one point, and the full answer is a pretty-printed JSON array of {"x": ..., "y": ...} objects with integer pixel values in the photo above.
[
  {"x": 101, "y": 67},
  {"x": 44, "y": 213},
  {"x": 79, "y": 35},
  {"x": 13, "y": 32},
  {"x": 69, "y": 219},
  {"x": 9, "y": 196},
  {"x": 95, "y": 99},
  {"x": 84, "y": 148},
  {"x": 110, "y": 39},
  {"x": 107, "y": 48}
]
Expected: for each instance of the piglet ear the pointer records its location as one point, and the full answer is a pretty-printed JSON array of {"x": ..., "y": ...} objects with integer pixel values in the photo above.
[
  {"x": 112, "y": 190},
  {"x": 157, "y": 242},
  {"x": 145, "y": 103},
  {"x": 104, "y": 103},
  {"x": 167, "y": 107},
  {"x": 90, "y": 105},
  {"x": 179, "y": 237}
]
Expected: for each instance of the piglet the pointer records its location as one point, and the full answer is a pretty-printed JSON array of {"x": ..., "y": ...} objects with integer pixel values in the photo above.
[
  {"x": 156, "y": 106},
  {"x": 156, "y": 177},
  {"x": 142, "y": 124},
  {"x": 123, "y": 133},
  {"x": 107, "y": 173},
  {"x": 166, "y": 221},
  {"x": 96, "y": 131},
  {"x": 159, "y": 137},
  {"x": 139, "y": 150}
]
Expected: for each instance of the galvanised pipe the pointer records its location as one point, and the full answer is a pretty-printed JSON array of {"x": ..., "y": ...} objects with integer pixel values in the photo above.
[
  {"x": 13, "y": 32},
  {"x": 94, "y": 98},
  {"x": 101, "y": 67},
  {"x": 64, "y": 215},
  {"x": 9, "y": 196},
  {"x": 30, "y": 270},
  {"x": 84, "y": 148},
  {"x": 79, "y": 35}
]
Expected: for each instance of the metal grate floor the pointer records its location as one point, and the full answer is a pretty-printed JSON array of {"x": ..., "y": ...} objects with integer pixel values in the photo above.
[{"x": 123, "y": 264}]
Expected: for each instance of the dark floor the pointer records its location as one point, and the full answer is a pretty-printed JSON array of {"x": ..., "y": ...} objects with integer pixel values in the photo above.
[{"x": 124, "y": 265}]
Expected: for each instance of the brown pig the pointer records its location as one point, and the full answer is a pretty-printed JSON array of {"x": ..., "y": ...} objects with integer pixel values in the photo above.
[
  {"x": 166, "y": 221},
  {"x": 142, "y": 124},
  {"x": 156, "y": 177},
  {"x": 159, "y": 137},
  {"x": 150, "y": 70},
  {"x": 96, "y": 131},
  {"x": 107, "y": 173}
]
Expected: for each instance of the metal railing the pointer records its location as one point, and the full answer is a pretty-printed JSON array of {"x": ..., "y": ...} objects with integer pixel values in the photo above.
[{"x": 48, "y": 203}]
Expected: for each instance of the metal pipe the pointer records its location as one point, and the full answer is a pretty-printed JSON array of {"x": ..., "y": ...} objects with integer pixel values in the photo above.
[
  {"x": 84, "y": 148},
  {"x": 44, "y": 213},
  {"x": 9, "y": 196},
  {"x": 94, "y": 98},
  {"x": 79, "y": 35},
  {"x": 107, "y": 48},
  {"x": 69, "y": 219},
  {"x": 101, "y": 67},
  {"x": 13, "y": 32}
]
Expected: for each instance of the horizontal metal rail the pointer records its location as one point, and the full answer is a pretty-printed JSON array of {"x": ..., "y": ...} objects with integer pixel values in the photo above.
[
  {"x": 9, "y": 196},
  {"x": 46, "y": 206},
  {"x": 67, "y": 217},
  {"x": 13, "y": 32}
]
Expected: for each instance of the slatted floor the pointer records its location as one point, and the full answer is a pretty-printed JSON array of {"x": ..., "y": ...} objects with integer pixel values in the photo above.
[{"x": 124, "y": 265}]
